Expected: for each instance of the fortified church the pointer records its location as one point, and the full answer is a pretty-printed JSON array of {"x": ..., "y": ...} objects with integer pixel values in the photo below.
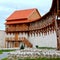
[{"x": 29, "y": 28}]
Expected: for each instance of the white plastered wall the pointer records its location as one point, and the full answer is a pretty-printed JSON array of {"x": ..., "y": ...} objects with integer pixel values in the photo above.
[
  {"x": 2, "y": 38},
  {"x": 23, "y": 35},
  {"x": 49, "y": 40}
]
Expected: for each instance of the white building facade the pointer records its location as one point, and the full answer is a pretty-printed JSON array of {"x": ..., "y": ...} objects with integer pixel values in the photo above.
[{"x": 49, "y": 40}]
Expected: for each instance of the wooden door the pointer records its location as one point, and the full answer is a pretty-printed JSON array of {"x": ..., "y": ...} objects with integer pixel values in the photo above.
[
  {"x": 16, "y": 36},
  {"x": 16, "y": 40}
]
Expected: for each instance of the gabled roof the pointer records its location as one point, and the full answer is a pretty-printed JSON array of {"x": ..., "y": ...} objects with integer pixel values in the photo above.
[{"x": 21, "y": 14}]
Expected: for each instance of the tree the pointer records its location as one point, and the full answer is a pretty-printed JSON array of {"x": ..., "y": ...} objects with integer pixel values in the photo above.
[{"x": 22, "y": 47}]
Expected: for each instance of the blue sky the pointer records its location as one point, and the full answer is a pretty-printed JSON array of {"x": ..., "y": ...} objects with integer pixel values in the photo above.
[{"x": 7, "y": 7}]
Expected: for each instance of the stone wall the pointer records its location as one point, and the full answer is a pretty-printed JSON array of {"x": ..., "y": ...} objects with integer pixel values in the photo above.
[{"x": 2, "y": 38}]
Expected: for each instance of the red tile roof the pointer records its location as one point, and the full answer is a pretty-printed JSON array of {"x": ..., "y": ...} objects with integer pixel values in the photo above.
[
  {"x": 21, "y": 14},
  {"x": 21, "y": 21}
]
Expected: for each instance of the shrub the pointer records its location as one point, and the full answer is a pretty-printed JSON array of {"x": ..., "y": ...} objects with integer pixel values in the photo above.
[
  {"x": 36, "y": 46},
  {"x": 22, "y": 47}
]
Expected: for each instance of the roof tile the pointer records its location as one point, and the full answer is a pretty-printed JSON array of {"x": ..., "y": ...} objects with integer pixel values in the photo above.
[{"x": 20, "y": 14}]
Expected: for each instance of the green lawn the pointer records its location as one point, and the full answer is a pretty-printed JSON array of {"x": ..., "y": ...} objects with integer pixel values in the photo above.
[
  {"x": 5, "y": 59},
  {"x": 1, "y": 51},
  {"x": 46, "y": 48},
  {"x": 36, "y": 59},
  {"x": 41, "y": 59}
]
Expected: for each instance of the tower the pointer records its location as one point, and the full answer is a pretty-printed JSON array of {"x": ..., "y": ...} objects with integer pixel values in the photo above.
[
  {"x": 58, "y": 8},
  {"x": 58, "y": 25}
]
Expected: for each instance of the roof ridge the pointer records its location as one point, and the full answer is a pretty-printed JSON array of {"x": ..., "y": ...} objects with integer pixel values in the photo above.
[
  {"x": 31, "y": 13},
  {"x": 26, "y": 9}
]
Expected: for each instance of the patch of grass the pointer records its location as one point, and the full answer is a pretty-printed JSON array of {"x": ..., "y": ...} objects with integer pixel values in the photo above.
[
  {"x": 28, "y": 58},
  {"x": 46, "y": 48},
  {"x": 5, "y": 59},
  {"x": 40, "y": 59},
  {"x": 6, "y": 50},
  {"x": 1, "y": 51}
]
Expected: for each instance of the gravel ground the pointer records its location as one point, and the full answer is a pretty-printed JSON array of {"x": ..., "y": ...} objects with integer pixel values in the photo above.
[{"x": 33, "y": 53}]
